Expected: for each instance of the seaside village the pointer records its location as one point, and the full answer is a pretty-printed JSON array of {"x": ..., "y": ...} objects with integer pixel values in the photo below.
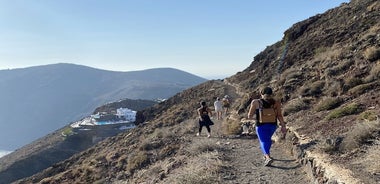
[{"x": 104, "y": 124}]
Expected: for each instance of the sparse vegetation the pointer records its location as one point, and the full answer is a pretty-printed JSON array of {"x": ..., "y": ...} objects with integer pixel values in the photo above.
[
  {"x": 368, "y": 115},
  {"x": 313, "y": 89},
  {"x": 137, "y": 160},
  {"x": 328, "y": 103},
  {"x": 232, "y": 127},
  {"x": 327, "y": 54},
  {"x": 360, "y": 89},
  {"x": 351, "y": 82},
  {"x": 360, "y": 134},
  {"x": 296, "y": 105},
  {"x": 352, "y": 108},
  {"x": 374, "y": 74},
  {"x": 202, "y": 147},
  {"x": 340, "y": 68},
  {"x": 201, "y": 169},
  {"x": 372, "y": 53}
]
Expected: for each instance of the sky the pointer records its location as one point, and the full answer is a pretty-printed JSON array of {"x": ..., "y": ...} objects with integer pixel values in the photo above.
[{"x": 209, "y": 38}]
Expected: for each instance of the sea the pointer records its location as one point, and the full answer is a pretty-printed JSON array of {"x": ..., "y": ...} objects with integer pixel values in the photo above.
[{"x": 3, "y": 153}]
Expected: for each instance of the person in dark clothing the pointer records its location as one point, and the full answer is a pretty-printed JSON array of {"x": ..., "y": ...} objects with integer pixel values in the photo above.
[{"x": 204, "y": 114}]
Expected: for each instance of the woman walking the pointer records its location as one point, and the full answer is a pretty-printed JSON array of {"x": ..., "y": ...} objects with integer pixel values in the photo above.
[
  {"x": 266, "y": 111},
  {"x": 204, "y": 114}
]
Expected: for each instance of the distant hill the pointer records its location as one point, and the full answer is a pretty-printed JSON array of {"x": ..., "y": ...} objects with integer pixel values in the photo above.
[{"x": 38, "y": 100}]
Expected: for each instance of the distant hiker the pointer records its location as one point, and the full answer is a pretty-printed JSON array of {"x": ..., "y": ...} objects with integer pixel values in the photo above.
[
  {"x": 218, "y": 108},
  {"x": 266, "y": 112},
  {"x": 204, "y": 118},
  {"x": 226, "y": 104}
]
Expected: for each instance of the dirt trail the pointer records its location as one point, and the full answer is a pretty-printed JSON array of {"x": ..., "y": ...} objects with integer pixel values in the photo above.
[{"x": 245, "y": 159}]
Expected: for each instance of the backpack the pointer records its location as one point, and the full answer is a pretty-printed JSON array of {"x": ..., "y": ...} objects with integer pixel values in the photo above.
[{"x": 267, "y": 113}]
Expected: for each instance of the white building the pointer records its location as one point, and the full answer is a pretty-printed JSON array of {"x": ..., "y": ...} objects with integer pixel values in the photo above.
[{"x": 127, "y": 113}]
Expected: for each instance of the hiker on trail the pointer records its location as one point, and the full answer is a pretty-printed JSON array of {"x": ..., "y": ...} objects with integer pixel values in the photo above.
[
  {"x": 266, "y": 111},
  {"x": 226, "y": 104},
  {"x": 218, "y": 108},
  {"x": 204, "y": 114}
]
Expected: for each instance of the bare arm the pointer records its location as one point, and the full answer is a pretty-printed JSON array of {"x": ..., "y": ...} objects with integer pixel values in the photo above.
[
  {"x": 252, "y": 109},
  {"x": 278, "y": 108},
  {"x": 209, "y": 111}
]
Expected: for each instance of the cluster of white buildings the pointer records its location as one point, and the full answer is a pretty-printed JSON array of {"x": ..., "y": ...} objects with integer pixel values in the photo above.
[
  {"x": 102, "y": 125},
  {"x": 122, "y": 116}
]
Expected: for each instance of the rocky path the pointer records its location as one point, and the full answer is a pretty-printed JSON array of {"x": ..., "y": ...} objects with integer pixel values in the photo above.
[{"x": 245, "y": 160}]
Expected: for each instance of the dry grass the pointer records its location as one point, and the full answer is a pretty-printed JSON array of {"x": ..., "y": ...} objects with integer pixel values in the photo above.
[
  {"x": 351, "y": 82},
  {"x": 296, "y": 105},
  {"x": 312, "y": 89},
  {"x": 372, "y": 53},
  {"x": 374, "y": 7},
  {"x": 200, "y": 147},
  {"x": 328, "y": 54},
  {"x": 340, "y": 68},
  {"x": 369, "y": 115},
  {"x": 359, "y": 135},
  {"x": 352, "y": 108},
  {"x": 374, "y": 74},
  {"x": 137, "y": 160},
  {"x": 333, "y": 88},
  {"x": 328, "y": 103},
  {"x": 202, "y": 169},
  {"x": 231, "y": 127},
  {"x": 360, "y": 89}
]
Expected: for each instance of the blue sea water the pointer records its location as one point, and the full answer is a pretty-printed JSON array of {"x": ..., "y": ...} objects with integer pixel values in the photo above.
[{"x": 102, "y": 123}]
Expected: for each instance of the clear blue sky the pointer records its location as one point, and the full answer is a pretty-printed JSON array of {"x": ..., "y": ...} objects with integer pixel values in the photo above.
[{"x": 209, "y": 38}]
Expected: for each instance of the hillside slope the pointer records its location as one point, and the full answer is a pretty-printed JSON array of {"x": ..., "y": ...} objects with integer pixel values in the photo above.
[
  {"x": 51, "y": 96},
  {"x": 326, "y": 71},
  {"x": 61, "y": 144}
]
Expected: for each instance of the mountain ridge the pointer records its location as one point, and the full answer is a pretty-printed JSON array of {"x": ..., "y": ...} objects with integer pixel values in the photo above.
[{"x": 67, "y": 92}]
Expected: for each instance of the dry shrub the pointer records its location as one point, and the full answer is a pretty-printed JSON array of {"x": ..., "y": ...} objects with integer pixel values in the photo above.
[
  {"x": 360, "y": 89},
  {"x": 231, "y": 127},
  {"x": 374, "y": 7},
  {"x": 328, "y": 103},
  {"x": 169, "y": 150},
  {"x": 369, "y": 115},
  {"x": 328, "y": 54},
  {"x": 204, "y": 169},
  {"x": 333, "y": 88},
  {"x": 340, "y": 68},
  {"x": 186, "y": 127},
  {"x": 360, "y": 133},
  {"x": 200, "y": 147},
  {"x": 351, "y": 82},
  {"x": 149, "y": 144},
  {"x": 352, "y": 108},
  {"x": 137, "y": 160},
  {"x": 313, "y": 89},
  {"x": 372, "y": 53},
  {"x": 296, "y": 105},
  {"x": 374, "y": 74},
  {"x": 290, "y": 75}
]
